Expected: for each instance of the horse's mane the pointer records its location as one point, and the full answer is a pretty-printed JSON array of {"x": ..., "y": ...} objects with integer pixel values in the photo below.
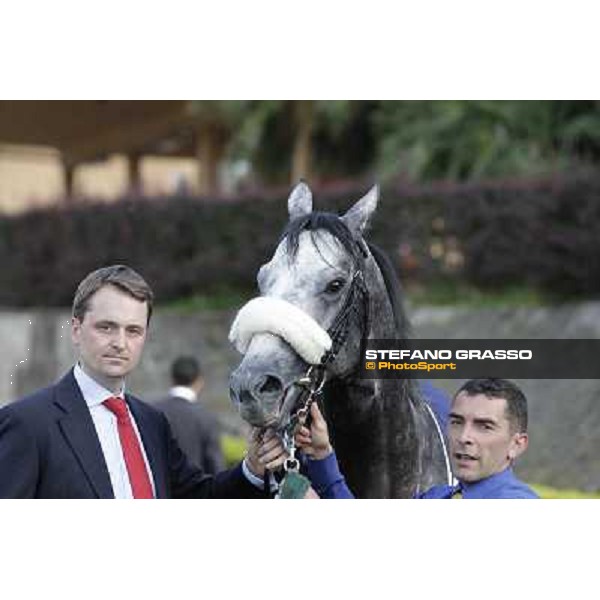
[
  {"x": 320, "y": 220},
  {"x": 403, "y": 329},
  {"x": 394, "y": 290}
]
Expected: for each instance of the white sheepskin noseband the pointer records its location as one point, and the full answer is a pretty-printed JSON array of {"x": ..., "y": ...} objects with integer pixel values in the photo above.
[{"x": 273, "y": 315}]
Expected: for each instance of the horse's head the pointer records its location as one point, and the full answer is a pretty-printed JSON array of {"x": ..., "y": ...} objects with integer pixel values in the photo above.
[{"x": 313, "y": 306}]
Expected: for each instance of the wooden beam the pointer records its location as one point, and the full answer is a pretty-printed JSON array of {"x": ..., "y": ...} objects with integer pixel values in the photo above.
[
  {"x": 88, "y": 130},
  {"x": 122, "y": 139}
]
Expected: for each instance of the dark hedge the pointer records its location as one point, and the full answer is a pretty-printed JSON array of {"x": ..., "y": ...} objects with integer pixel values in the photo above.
[{"x": 544, "y": 233}]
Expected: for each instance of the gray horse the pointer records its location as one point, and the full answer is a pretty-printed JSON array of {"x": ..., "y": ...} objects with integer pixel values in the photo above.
[{"x": 322, "y": 293}]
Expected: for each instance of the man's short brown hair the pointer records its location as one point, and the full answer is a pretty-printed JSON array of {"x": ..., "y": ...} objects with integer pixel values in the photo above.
[
  {"x": 120, "y": 276},
  {"x": 516, "y": 403}
]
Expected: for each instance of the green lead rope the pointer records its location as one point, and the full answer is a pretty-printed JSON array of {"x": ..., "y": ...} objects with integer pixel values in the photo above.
[{"x": 293, "y": 486}]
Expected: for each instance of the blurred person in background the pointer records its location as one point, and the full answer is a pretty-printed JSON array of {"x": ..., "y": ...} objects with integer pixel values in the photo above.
[{"x": 194, "y": 426}]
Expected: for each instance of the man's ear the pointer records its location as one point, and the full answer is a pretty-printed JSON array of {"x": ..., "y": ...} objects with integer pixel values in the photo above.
[{"x": 517, "y": 446}]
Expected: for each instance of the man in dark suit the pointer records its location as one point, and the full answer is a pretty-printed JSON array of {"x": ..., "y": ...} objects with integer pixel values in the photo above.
[
  {"x": 194, "y": 426},
  {"x": 84, "y": 437}
]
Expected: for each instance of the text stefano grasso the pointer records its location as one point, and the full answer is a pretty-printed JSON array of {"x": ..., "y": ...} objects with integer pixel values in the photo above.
[{"x": 497, "y": 354}]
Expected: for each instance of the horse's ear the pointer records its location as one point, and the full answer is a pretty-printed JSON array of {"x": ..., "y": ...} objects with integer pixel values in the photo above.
[
  {"x": 357, "y": 218},
  {"x": 300, "y": 201}
]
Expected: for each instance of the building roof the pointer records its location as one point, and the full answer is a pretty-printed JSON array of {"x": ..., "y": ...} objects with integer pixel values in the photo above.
[{"x": 90, "y": 130}]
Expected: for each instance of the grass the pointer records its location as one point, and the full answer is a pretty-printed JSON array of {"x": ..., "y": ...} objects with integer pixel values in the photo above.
[
  {"x": 452, "y": 293},
  {"x": 437, "y": 293},
  {"x": 548, "y": 492},
  {"x": 223, "y": 299}
]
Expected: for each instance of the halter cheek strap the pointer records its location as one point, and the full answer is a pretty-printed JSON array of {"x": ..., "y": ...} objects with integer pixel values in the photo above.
[{"x": 356, "y": 302}]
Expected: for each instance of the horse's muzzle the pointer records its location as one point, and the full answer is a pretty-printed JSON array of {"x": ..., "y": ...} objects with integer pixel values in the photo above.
[{"x": 258, "y": 396}]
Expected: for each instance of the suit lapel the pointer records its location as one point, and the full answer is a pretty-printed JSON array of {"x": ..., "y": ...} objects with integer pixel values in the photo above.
[
  {"x": 151, "y": 438},
  {"x": 78, "y": 428}
]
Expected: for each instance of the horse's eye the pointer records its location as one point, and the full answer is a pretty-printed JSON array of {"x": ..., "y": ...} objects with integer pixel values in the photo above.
[{"x": 335, "y": 286}]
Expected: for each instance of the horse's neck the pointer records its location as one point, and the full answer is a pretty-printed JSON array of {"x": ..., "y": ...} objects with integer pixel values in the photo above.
[
  {"x": 373, "y": 421},
  {"x": 374, "y": 434}
]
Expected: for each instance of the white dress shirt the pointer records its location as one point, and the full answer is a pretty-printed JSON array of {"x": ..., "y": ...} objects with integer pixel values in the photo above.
[
  {"x": 105, "y": 422},
  {"x": 183, "y": 391}
]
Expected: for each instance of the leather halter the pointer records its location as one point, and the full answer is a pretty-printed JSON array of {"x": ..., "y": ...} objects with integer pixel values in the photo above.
[{"x": 314, "y": 379}]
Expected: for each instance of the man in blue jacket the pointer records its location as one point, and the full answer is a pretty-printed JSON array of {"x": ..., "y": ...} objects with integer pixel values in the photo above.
[{"x": 487, "y": 432}]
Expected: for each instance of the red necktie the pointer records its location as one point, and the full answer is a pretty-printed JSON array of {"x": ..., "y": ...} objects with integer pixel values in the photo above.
[{"x": 132, "y": 452}]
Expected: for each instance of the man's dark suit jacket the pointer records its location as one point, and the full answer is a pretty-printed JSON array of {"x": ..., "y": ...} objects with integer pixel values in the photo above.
[
  {"x": 196, "y": 431},
  {"x": 49, "y": 449}
]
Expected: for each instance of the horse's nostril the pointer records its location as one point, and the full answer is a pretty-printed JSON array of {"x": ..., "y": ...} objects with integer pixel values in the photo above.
[
  {"x": 245, "y": 397},
  {"x": 269, "y": 385}
]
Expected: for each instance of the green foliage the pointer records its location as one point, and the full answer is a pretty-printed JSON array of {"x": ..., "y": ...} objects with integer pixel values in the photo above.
[
  {"x": 251, "y": 134},
  {"x": 233, "y": 448},
  {"x": 263, "y": 134},
  {"x": 227, "y": 112},
  {"x": 415, "y": 140},
  {"x": 267, "y": 140},
  {"x": 344, "y": 141},
  {"x": 461, "y": 140}
]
